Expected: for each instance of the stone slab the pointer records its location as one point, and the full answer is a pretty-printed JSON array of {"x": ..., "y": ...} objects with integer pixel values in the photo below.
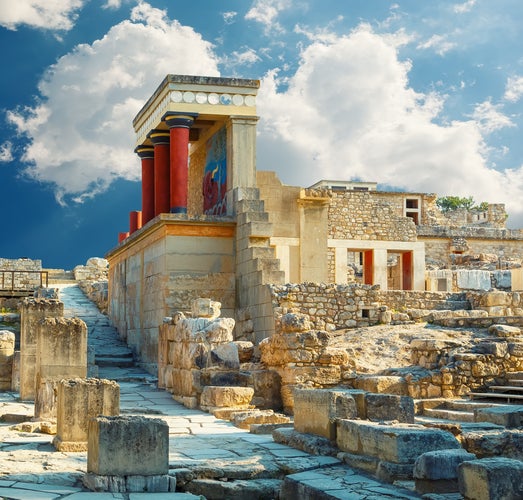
[
  {"x": 490, "y": 478},
  {"x": 400, "y": 443},
  {"x": 507, "y": 415}
]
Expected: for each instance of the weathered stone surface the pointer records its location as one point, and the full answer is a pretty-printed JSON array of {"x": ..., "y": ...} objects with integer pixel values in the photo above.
[
  {"x": 129, "y": 484},
  {"x": 389, "y": 407},
  {"x": 244, "y": 419},
  {"x": 79, "y": 400},
  {"x": 206, "y": 308},
  {"x": 440, "y": 464},
  {"x": 506, "y": 415},
  {"x": 505, "y": 331},
  {"x": 7, "y": 351},
  {"x": 32, "y": 311},
  {"x": 255, "y": 489},
  {"x": 490, "y": 478},
  {"x": 382, "y": 384},
  {"x": 295, "y": 322},
  {"x": 226, "y": 356},
  {"x": 245, "y": 350},
  {"x": 317, "y": 410},
  {"x": 494, "y": 443},
  {"x": 214, "y": 396},
  {"x": 400, "y": 443},
  {"x": 124, "y": 446}
]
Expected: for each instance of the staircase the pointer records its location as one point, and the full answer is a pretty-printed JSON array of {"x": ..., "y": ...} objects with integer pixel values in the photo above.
[
  {"x": 511, "y": 392},
  {"x": 112, "y": 356},
  {"x": 451, "y": 410},
  {"x": 59, "y": 276}
]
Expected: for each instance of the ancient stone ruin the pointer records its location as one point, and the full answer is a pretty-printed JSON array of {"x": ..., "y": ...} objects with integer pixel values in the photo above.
[{"x": 370, "y": 333}]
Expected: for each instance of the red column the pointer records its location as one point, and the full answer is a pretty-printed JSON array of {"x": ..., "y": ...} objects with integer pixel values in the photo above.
[
  {"x": 179, "y": 125},
  {"x": 160, "y": 139},
  {"x": 146, "y": 153},
  {"x": 135, "y": 221},
  {"x": 122, "y": 236},
  {"x": 368, "y": 267}
]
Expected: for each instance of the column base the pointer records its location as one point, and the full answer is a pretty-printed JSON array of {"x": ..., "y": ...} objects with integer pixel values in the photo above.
[
  {"x": 179, "y": 210},
  {"x": 162, "y": 483}
]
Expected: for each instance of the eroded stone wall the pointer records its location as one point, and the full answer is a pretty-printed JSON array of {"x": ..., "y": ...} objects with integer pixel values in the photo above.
[
  {"x": 364, "y": 216},
  {"x": 329, "y": 307}
]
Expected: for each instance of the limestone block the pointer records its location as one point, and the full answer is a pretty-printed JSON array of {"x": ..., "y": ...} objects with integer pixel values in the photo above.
[
  {"x": 504, "y": 331},
  {"x": 295, "y": 322},
  {"x": 244, "y": 419},
  {"x": 490, "y": 478},
  {"x": 382, "y": 384},
  {"x": 510, "y": 416},
  {"x": 7, "y": 351},
  {"x": 319, "y": 375},
  {"x": 220, "y": 330},
  {"x": 128, "y": 445},
  {"x": 317, "y": 410},
  {"x": 61, "y": 353},
  {"x": 437, "y": 471},
  {"x": 215, "y": 396},
  {"x": 515, "y": 349},
  {"x": 206, "y": 308},
  {"x": 32, "y": 311},
  {"x": 496, "y": 298},
  {"x": 390, "y": 407},
  {"x": 79, "y": 400},
  {"x": 400, "y": 443},
  {"x": 498, "y": 349},
  {"x": 225, "y": 356},
  {"x": 245, "y": 350},
  {"x": 267, "y": 389}
]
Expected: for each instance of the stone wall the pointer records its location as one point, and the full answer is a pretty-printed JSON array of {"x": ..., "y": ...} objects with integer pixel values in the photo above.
[
  {"x": 168, "y": 267},
  {"x": 302, "y": 357},
  {"x": 364, "y": 216},
  {"x": 450, "y": 372},
  {"x": 20, "y": 264},
  {"x": 329, "y": 307},
  {"x": 22, "y": 276}
]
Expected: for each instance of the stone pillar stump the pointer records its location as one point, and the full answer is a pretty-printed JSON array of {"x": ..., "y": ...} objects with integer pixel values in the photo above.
[{"x": 77, "y": 401}]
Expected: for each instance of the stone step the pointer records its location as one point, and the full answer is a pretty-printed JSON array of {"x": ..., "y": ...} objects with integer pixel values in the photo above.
[
  {"x": 505, "y": 388},
  {"x": 465, "y": 405},
  {"x": 515, "y": 381},
  {"x": 122, "y": 362},
  {"x": 495, "y": 395},
  {"x": 447, "y": 414}
]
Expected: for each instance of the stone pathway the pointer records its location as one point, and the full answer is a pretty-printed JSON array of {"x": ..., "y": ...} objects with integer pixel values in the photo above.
[{"x": 209, "y": 457}]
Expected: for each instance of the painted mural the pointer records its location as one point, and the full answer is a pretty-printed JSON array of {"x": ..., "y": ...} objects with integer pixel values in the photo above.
[{"x": 215, "y": 175}]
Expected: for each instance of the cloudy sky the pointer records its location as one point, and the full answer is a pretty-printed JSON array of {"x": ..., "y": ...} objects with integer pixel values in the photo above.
[{"x": 416, "y": 95}]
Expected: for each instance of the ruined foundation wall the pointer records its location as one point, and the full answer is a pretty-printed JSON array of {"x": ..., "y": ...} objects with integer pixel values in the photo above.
[
  {"x": 453, "y": 374},
  {"x": 328, "y": 307},
  {"x": 507, "y": 243}
]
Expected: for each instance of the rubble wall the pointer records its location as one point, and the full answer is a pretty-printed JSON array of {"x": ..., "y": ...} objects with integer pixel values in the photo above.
[{"x": 364, "y": 216}]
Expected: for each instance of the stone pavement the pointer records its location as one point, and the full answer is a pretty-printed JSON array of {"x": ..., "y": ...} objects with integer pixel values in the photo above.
[{"x": 209, "y": 457}]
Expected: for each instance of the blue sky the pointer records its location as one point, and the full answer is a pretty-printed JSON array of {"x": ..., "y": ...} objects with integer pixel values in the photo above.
[{"x": 417, "y": 95}]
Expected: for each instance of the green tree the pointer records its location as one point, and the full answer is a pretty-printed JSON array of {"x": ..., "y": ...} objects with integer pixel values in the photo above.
[{"x": 447, "y": 203}]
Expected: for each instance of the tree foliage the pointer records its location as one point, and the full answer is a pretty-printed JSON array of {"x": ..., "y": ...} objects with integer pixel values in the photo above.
[{"x": 448, "y": 203}]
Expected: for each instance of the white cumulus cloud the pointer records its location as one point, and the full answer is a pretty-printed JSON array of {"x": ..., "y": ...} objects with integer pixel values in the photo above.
[
  {"x": 6, "y": 152},
  {"x": 44, "y": 14},
  {"x": 514, "y": 89},
  {"x": 79, "y": 131},
  {"x": 490, "y": 118},
  {"x": 349, "y": 113},
  {"x": 266, "y": 12}
]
